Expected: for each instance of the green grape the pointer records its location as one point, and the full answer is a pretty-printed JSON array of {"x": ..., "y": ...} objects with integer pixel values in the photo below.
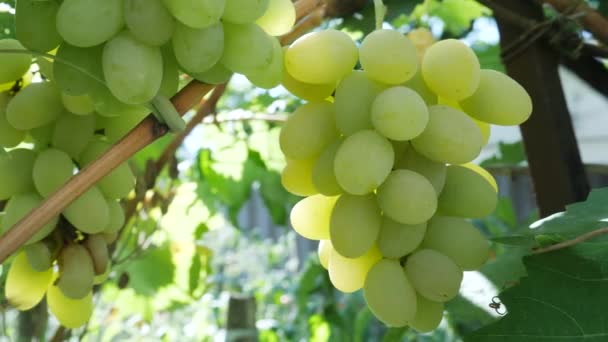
[
  {"x": 389, "y": 294},
  {"x": 272, "y": 75},
  {"x": 297, "y": 177},
  {"x": 89, "y": 212},
  {"x": 132, "y": 70},
  {"x": 16, "y": 172},
  {"x": 399, "y": 113},
  {"x": 467, "y": 193},
  {"x": 107, "y": 105},
  {"x": 110, "y": 237},
  {"x": 42, "y": 135},
  {"x": 307, "y": 91},
  {"x": 35, "y": 24},
  {"x": 87, "y": 23},
  {"x": 117, "y": 217},
  {"x": 323, "y": 174},
  {"x": 396, "y": 240},
  {"x": 428, "y": 315},
  {"x": 354, "y": 224},
  {"x": 407, "y": 197},
  {"x": 118, "y": 183},
  {"x": 51, "y": 170},
  {"x": 354, "y": 171},
  {"x": 323, "y": 252},
  {"x": 25, "y": 287},
  {"x": 39, "y": 256},
  {"x": 18, "y": 207},
  {"x": 9, "y": 135},
  {"x": 250, "y": 38},
  {"x": 149, "y": 21},
  {"x": 308, "y": 130},
  {"x": 196, "y": 13},
  {"x": 417, "y": 84},
  {"x": 46, "y": 68},
  {"x": 434, "y": 171},
  {"x": 354, "y": 97},
  {"x": 35, "y": 105},
  {"x": 72, "y": 133},
  {"x": 79, "y": 105},
  {"x": 310, "y": 216},
  {"x": 100, "y": 279},
  {"x": 170, "y": 82},
  {"x": 321, "y": 57},
  {"x": 459, "y": 240},
  {"x": 71, "y": 313},
  {"x": 198, "y": 50},
  {"x": 98, "y": 251},
  {"x": 279, "y": 18},
  {"x": 388, "y": 57},
  {"x": 499, "y": 99},
  {"x": 433, "y": 275},
  {"x": 73, "y": 81},
  {"x": 451, "y": 69},
  {"x": 76, "y": 271},
  {"x": 485, "y": 128},
  {"x": 218, "y": 74},
  {"x": 117, "y": 127},
  {"x": 244, "y": 11},
  {"x": 450, "y": 136},
  {"x": 348, "y": 274},
  {"x": 14, "y": 65}
]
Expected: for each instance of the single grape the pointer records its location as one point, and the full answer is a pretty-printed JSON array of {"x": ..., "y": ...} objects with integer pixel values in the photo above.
[
  {"x": 250, "y": 38},
  {"x": 468, "y": 193},
  {"x": 451, "y": 69},
  {"x": 310, "y": 217},
  {"x": 389, "y": 294},
  {"x": 309, "y": 130},
  {"x": 399, "y": 113},
  {"x": 117, "y": 217},
  {"x": 36, "y": 25},
  {"x": 428, "y": 315},
  {"x": 485, "y": 129},
  {"x": 459, "y": 240},
  {"x": 107, "y": 105},
  {"x": 16, "y": 172},
  {"x": 69, "y": 66},
  {"x": 72, "y": 133},
  {"x": 51, "y": 170},
  {"x": 272, "y": 75},
  {"x": 499, "y": 100},
  {"x": 297, "y": 177},
  {"x": 363, "y": 162},
  {"x": 76, "y": 271},
  {"x": 218, "y": 74},
  {"x": 198, "y": 50},
  {"x": 279, "y": 17},
  {"x": 322, "y": 57},
  {"x": 9, "y": 135},
  {"x": 39, "y": 256},
  {"x": 307, "y": 91},
  {"x": 244, "y": 11},
  {"x": 407, "y": 197},
  {"x": 89, "y": 212},
  {"x": 417, "y": 84},
  {"x": 132, "y": 70},
  {"x": 35, "y": 105},
  {"x": 18, "y": 207},
  {"x": 87, "y": 23},
  {"x": 348, "y": 274},
  {"x": 71, "y": 313},
  {"x": 169, "y": 84},
  {"x": 14, "y": 65},
  {"x": 323, "y": 252},
  {"x": 149, "y": 21},
  {"x": 98, "y": 251},
  {"x": 422, "y": 39},
  {"x": 25, "y": 287},
  {"x": 354, "y": 224},
  {"x": 323, "y": 174},
  {"x": 396, "y": 240},
  {"x": 79, "y": 105},
  {"x": 434, "y": 171},
  {"x": 388, "y": 57},
  {"x": 196, "y": 13},
  {"x": 354, "y": 97},
  {"x": 450, "y": 137},
  {"x": 433, "y": 275}
]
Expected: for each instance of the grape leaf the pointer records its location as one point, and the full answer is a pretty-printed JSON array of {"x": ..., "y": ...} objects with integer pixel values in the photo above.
[
  {"x": 152, "y": 271},
  {"x": 456, "y": 14}
]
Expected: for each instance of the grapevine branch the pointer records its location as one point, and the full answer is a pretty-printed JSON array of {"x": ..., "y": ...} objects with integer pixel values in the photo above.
[{"x": 570, "y": 243}]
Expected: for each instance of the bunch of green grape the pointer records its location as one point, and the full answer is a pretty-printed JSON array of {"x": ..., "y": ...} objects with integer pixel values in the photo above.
[
  {"x": 101, "y": 66},
  {"x": 384, "y": 154}
]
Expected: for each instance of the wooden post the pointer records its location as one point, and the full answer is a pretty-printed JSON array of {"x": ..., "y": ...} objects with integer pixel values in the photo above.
[
  {"x": 555, "y": 163},
  {"x": 241, "y": 319}
]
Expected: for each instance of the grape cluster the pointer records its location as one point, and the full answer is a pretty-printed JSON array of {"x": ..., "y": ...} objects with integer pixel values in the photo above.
[
  {"x": 112, "y": 60},
  {"x": 384, "y": 155}
]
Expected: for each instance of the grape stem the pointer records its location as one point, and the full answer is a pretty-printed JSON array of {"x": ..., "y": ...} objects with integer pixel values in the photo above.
[
  {"x": 570, "y": 243},
  {"x": 380, "y": 10}
]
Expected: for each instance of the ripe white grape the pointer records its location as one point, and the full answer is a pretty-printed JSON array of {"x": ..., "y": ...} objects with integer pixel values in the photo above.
[
  {"x": 348, "y": 274},
  {"x": 399, "y": 113},
  {"x": 279, "y": 17},
  {"x": 117, "y": 217},
  {"x": 244, "y": 11},
  {"x": 81, "y": 24},
  {"x": 388, "y": 57},
  {"x": 407, "y": 197},
  {"x": 433, "y": 275},
  {"x": 250, "y": 38},
  {"x": 354, "y": 97},
  {"x": 396, "y": 240},
  {"x": 355, "y": 171},
  {"x": 149, "y": 21},
  {"x": 323, "y": 252},
  {"x": 297, "y": 177},
  {"x": 36, "y": 25},
  {"x": 428, "y": 315},
  {"x": 354, "y": 225},
  {"x": 25, "y": 287},
  {"x": 89, "y": 212},
  {"x": 196, "y": 13},
  {"x": 307, "y": 91},
  {"x": 468, "y": 192},
  {"x": 51, "y": 170},
  {"x": 35, "y": 105},
  {"x": 14, "y": 65},
  {"x": 434, "y": 171},
  {"x": 71, "y": 313},
  {"x": 198, "y": 50},
  {"x": 272, "y": 75},
  {"x": 310, "y": 217},
  {"x": 323, "y": 173}
]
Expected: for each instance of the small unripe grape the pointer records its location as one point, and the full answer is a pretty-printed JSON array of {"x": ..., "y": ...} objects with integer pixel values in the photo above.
[{"x": 76, "y": 271}]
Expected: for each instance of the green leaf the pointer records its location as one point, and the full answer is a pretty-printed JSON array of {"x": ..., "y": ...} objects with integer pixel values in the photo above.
[
  {"x": 563, "y": 298},
  {"x": 489, "y": 56},
  {"x": 7, "y": 25},
  {"x": 456, "y": 14},
  {"x": 152, "y": 271},
  {"x": 194, "y": 273},
  {"x": 508, "y": 154},
  {"x": 151, "y": 152}
]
